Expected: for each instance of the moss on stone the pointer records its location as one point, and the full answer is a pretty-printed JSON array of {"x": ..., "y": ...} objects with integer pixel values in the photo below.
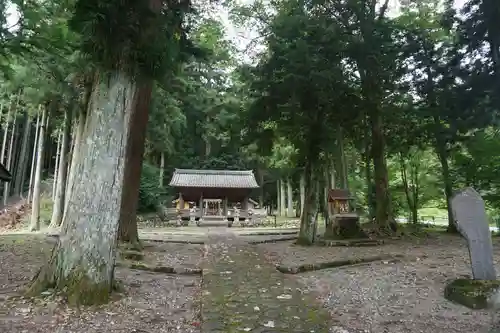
[
  {"x": 471, "y": 293},
  {"x": 132, "y": 255},
  {"x": 333, "y": 264},
  {"x": 136, "y": 246}
]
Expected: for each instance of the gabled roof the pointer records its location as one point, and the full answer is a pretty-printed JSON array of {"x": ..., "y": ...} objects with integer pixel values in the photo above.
[
  {"x": 338, "y": 194},
  {"x": 214, "y": 179},
  {"x": 4, "y": 174}
]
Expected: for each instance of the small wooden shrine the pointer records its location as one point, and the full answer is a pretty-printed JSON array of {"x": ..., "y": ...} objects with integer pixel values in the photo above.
[
  {"x": 213, "y": 192},
  {"x": 344, "y": 222}
]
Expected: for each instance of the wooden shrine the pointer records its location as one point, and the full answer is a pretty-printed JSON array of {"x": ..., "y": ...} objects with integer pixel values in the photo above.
[
  {"x": 214, "y": 193},
  {"x": 344, "y": 222}
]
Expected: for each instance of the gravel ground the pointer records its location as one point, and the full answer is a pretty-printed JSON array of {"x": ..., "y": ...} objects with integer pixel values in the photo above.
[
  {"x": 152, "y": 302},
  {"x": 172, "y": 254},
  {"x": 391, "y": 297}
]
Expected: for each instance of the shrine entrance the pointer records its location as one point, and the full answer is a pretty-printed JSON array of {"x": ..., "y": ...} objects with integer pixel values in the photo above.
[{"x": 212, "y": 207}]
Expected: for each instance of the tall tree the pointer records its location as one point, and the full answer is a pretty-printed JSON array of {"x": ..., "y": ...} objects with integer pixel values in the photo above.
[{"x": 127, "y": 57}]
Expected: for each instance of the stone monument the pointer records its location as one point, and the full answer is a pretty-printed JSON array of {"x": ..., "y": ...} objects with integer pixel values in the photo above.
[{"x": 470, "y": 217}]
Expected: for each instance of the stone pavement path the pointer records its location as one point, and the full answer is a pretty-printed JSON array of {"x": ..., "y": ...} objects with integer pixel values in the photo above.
[{"x": 243, "y": 292}]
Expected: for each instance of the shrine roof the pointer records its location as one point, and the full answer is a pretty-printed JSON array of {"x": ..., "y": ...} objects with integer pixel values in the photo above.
[
  {"x": 214, "y": 179},
  {"x": 338, "y": 194}
]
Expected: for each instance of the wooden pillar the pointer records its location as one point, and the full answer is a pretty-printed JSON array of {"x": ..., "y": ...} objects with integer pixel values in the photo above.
[
  {"x": 202, "y": 209},
  {"x": 224, "y": 206},
  {"x": 181, "y": 202},
  {"x": 244, "y": 204}
]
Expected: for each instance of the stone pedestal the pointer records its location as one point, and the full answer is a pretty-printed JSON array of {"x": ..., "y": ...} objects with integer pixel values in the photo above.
[
  {"x": 192, "y": 215},
  {"x": 345, "y": 226}
]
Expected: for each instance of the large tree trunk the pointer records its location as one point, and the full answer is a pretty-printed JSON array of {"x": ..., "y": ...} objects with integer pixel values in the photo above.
[
  {"x": 135, "y": 151},
  {"x": 260, "y": 173},
  {"x": 445, "y": 169},
  {"x": 325, "y": 208},
  {"x": 34, "y": 156},
  {"x": 82, "y": 263},
  {"x": 5, "y": 135},
  {"x": 341, "y": 161},
  {"x": 23, "y": 156},
  {"x": 302, "y": 191},
  {"x": 383, "y": 209},
  {"x": 35, "y": 202},
  {"x": 278, "y": 197},
  {"x": 62, "y": 173},
  {"x": 370, "y": 202},
  {"x": 283, "y": 197},
  {"x": 9, "y": 164},
  {"x": 309, "y": 219},
  {"x": 289, "y": 195},
  {"x": 162, "y": 169},
  {"x": 75, "y": 155},
  {"x": 406, "y": 186},
  {"x": 55, "y": 177}
]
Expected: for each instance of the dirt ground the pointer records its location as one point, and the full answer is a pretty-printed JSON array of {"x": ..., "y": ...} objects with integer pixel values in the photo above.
[
  {"x": 406, "y": 296},
  {"x": 378, "y": 297},
  {"x": 152, "y": 302}
]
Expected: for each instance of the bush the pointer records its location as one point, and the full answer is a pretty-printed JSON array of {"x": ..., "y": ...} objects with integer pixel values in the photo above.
[{"x": 150, "y": 194}]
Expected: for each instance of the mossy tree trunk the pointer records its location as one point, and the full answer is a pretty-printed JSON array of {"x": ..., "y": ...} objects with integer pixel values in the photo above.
[
  {"x": 9, "y": 163},
  {"x": 37, "y": 177},
  {"x": 442, "y": 154},
  {"x": 289, "y": 197},
  {"x": 75, "y": 155},
  {"x": 260, "y": 173},
  {"x": 282, "y": 197},
  {"x": 278, "y": 197},
  {"x": 62, "y": 173},
  {"x": 368, "y": 173},
  {"x": 383, "y": 208},
  {"x": 162, "y": 169},
  {"x": 5, "y": 135},
  {"x": 302, "y": 191},
  {"x": 23, "y": 155},
  {"x": 34, "y": 156},
  {"x": 133, "y": 164},
  {"x": 82, "y": 262},
  {"x": 325, "y": 208},
  {"x": 309, "y": 219},
  {"x": 56, "y": 167},
  {"x": 340, "y": 159}
]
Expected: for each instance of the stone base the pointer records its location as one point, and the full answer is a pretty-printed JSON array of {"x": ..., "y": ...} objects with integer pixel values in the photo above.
[
  {"x": 345, "y": 227},
  {"x": 474, "y": 294}
]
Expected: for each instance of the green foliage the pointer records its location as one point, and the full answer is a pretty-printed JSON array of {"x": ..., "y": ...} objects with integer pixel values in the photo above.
[
  {"x": 477, "y": 165},
  {"x": 326, "y": 67},
  {"x": 150, "y": 194},
  {"x": 140, "y": 37}
]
